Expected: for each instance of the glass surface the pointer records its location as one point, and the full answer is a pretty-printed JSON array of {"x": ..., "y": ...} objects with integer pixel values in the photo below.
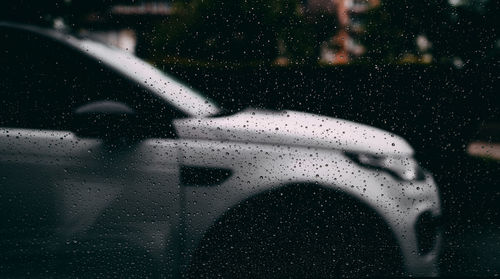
[{"x": 349, "y": 138}]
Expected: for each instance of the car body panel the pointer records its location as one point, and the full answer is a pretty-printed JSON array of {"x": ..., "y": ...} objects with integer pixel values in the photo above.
[
  {"x": 90, "y": 191},
  {"x": 296, "y": 129}
]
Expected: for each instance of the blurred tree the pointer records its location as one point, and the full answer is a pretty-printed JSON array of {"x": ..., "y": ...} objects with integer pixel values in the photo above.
[
  {"x": 400, "y": 27},
  {"x": 392, "y": 28},
  {"x": 457, "y": 31},
  {"x": 475, "y": 31},
  {"x": 240, "y": 30}
]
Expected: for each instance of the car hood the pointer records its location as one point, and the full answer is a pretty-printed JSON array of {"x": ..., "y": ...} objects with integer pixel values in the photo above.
[{"x": 294, "y": 128}]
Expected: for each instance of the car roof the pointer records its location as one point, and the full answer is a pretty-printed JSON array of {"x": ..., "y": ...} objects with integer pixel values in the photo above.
[{"x": 166, "y": 87}]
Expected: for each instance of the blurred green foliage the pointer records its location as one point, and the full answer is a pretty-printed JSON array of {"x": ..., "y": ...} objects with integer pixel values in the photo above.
[
  {"x": 454, "y": 31},
  {"x": 391, "y": 29},
  {"x": 259, "y": 31},
  {"x": 242, "y": 31}
]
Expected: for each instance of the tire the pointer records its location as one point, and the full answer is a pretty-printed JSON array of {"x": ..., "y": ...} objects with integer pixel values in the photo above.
[{"x": 299, "y": 231}]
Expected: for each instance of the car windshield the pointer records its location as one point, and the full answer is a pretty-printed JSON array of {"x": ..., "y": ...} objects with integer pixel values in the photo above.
[{"x": 168, "y": 88}]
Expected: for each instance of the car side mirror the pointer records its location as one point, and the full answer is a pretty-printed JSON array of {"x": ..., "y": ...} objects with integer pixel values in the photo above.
[{"x": 106, "y": 120}]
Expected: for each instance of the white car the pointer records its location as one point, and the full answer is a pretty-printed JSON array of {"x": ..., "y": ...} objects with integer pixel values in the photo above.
[{"x": 110, "y": 167}]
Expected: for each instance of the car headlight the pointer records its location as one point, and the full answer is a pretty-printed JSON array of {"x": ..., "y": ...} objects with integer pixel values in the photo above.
[{"x": 402, "y": 168}]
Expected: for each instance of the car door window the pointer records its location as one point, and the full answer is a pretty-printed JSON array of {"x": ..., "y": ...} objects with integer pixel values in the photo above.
[{"x": 44, "y": 81}]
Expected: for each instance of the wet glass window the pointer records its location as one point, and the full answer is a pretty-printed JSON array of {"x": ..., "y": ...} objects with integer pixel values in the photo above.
[{"x": 249, "y": 138}]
